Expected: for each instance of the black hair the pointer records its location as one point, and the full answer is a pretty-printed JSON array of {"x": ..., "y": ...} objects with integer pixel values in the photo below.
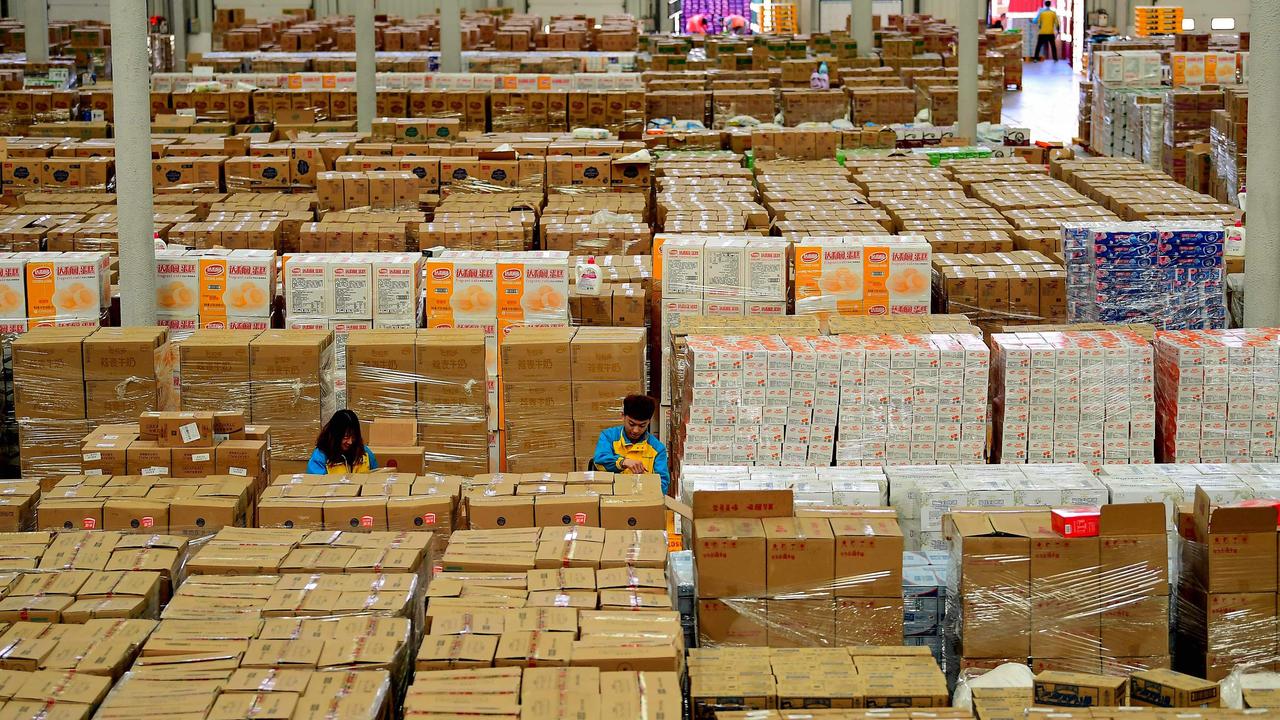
[
  {"x": 329, "y": 441},
  {"x": 639, "y": 407}
]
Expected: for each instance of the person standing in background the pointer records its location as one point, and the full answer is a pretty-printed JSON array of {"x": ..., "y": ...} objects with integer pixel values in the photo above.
[{"x": 1047, "y": 30}]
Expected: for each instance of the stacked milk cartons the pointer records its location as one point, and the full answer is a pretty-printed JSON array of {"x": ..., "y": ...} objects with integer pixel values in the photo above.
[
  {"x": 345, "y": 292},
  {"x": 751, "y": 401},
  {"x": 1218, "y": 393},
  {"x": 1073, "y": 397},
  {"x": 728, "y": 275},
  {"x": 923, "y": 494},
  {"x": 1169, "y": 274},
  {"x": 924, "y": 593},
  {"x": 908, "y": 399}
]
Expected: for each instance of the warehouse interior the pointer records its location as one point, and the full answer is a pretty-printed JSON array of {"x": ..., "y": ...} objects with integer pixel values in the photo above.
[{"x": 653, "y": 359}]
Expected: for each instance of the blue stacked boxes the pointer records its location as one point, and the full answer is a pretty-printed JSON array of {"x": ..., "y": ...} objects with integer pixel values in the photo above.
[{"x": 1168, "y": 274}]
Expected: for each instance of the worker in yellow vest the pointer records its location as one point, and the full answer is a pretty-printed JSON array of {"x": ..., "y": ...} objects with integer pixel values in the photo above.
[
  {"x": 1047, "y": 30},
  {"x": 630, "y": 447}
]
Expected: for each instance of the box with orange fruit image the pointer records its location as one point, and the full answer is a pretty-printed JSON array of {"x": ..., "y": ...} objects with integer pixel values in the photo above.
[
  {"x": 177, "y": 284},
  {"x": 237, "y": 284},
  {"x": 13, "y": 287},
  {"x": 462, "y": 291},
  {"x": 873, "y": 275},
  {"x": 533, "y": 289},
  {"x": 67, "y": 287}
]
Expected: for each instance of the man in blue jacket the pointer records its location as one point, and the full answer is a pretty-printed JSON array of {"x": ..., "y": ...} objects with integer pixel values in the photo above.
[{"x": 630, "y": 447}]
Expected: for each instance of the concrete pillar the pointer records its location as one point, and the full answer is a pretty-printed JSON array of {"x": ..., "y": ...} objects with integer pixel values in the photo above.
[
  {"x": 202, "y": 42},
  {"x": 1262, "y": 248},
  {"x": 130, "y": 92},
  {"x": 36, "y": 24},
  {"x": 178, "y": 26},
  {"x": 450, "y": 36},
  {"x": 366, "y": 67},
  {"x": 967, "y": 111},
  {"x": 860, "y": 25}
]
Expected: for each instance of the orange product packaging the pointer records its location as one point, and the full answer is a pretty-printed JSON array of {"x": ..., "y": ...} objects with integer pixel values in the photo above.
[
  {"x": 829, "y": 276},
  {"x": 533, "y": 288},
  {"x": 177, "y": 283},
  {"x": 13, "y": 288},
  {"x": 237, "y": 283},
  {"x": 67, "y": 286},
  {"x": 462, "y": 291}
]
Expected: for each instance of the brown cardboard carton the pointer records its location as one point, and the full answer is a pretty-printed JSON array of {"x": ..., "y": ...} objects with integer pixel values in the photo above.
[
  {"x": 865, "y": 552},
  {"x": 403, "y": 459},
  {"x": 537, "y": 354},
  {"x": 635, "y": 549},
  {"x": 529, "y": 649},
  {"x": 122, "y": 353},
  {"x": 1068, "y": 689},
  {"x": 566, "y": 510},
  {"x": 135, "y": 514},
  {"x": 868, "y": 620},
  {"x": 1135, "y": 628},
  {"x": 801, "y": 555},
  {"x": 489, "y": 513},
  {"x": 626, "y": 512},
  {"x": 147, "y": 458},
  {"x": 449, "y": 652},
  {"x": 600, "y": 354},
  {"x": 730, "y": 557},
  {"x": 1166, "y": 688},
  {"x": 1239, "y": 548},
  {"x": 192, "y": 462},
  {"x": 242, "y": 458},
  {"x": 1133, "y": 537},
  {"x": 186, "y": 429},
  {"x": 739, "y": 622}
]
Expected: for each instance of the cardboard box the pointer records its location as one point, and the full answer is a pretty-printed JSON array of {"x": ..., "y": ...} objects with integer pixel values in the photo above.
[
  {"x": 1069, "y": 689},
  {"x": 1166, "y": 688},
  {"x": 730, "y": 556}
]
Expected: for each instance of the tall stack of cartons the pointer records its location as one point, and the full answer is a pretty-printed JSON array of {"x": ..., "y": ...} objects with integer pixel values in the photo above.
[
  {"x": 49, "y": 401},
  {"x": 213, "y": 371},
  {"x": 452, "y": 400},
  {"x": 127, "y": 371},
  {"x": 1073, "y": 397},
  {"x": 1217, "y": 392},
  {"x": 1032, "y": 586},
  {"x": 607, "y": 365},
  {"x": 381, "y": 373},
  {"x": 789, "y": 581},
  {"x": 1226, "y": 607},
  {"x": 537, "y": 422},
  {"x": 291, "y": 375}
]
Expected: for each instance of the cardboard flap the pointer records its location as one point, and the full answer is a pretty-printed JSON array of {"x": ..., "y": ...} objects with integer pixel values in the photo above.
[
  {"x": 1232, "y": 519},
  {"x": 743, "y": 504},
  {"x": 968, "y": 524},
  {"x": 1132, "y": 519}
]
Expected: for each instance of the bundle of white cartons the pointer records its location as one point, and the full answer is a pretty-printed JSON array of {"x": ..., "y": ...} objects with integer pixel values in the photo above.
[
  {"x": 1219, "y": 395},
  {"x": 923, "y": 494},
  {"x": 862, "y": 400},
  {"x": 813, "y": 486},
  {"x": 907, "y": 399},
  {"x": 343, "y": 292},
  {"x": 1073, "y": 397}
]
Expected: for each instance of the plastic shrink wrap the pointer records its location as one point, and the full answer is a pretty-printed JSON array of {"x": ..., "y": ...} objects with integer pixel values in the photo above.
[{"x": 1074, "y": 589}]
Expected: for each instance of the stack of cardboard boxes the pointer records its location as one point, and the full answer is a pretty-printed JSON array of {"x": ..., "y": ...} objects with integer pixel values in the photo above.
[
  {"x": 1226, "y": 609},
  {"x": 291, "y": 386},
  {"x": 595, "y": 367},
  {"x": 67, "y": 380},
  {"x": 183, "y": 506},
  {"x": 1073, "y": 397},
  {"x": 53, "y": 289},
  {"x": 738, "y": 682},
  {"x": 725, "y": 275},
  {"x": 1044, "y": 587},
  {"x": 545, "y": 692},
  {"x": 217, "y": 288},
  {"x": 769, "y": 579},
  {"x": 1216, "y": 392},
  {"x": 1004, "y": 288}
]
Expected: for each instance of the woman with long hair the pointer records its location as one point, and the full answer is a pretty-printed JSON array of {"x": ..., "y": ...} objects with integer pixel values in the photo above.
[{"x": 340, "y": 448}]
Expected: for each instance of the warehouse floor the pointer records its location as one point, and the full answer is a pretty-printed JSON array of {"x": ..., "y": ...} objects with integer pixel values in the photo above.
[{"x": 1048, "y": 102}]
